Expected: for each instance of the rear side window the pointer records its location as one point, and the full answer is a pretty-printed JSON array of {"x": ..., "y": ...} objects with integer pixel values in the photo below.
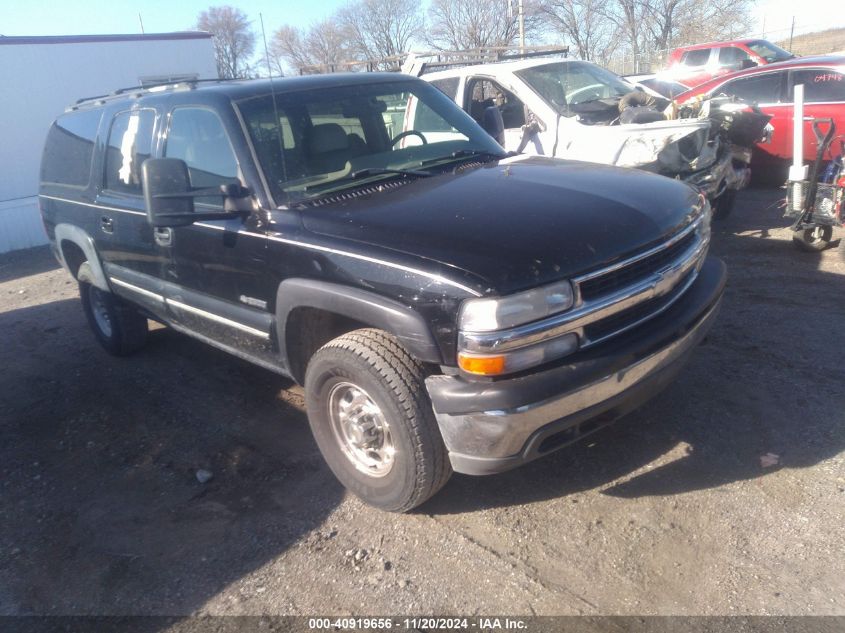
[
  {"x": 448, "y": 86},
  {"x": 129, "y": 145},
  {"x": 69, "y": 148},
  {"x": 820, "y": 85},
  {"x": 697, "y": 57},
  {"x": 756, "y": 89},
  {"x": 197, "y": 136}
]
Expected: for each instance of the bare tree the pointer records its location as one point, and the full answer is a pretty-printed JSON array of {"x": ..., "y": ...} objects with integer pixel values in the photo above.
[
  {"x": 380, "y": 28},
  {"x": 320, "y": 47},
  {"x": 584, "y": 26},
  {"x": 465, "y": 24},
  {"x": 233, "y": 39}
]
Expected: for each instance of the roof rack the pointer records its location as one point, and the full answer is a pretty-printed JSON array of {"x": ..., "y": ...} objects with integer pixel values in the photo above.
[
  {"x": 421, "y": 63},
  {"x": 429, "y": 61},
  {"x": 144, "y": 89}
]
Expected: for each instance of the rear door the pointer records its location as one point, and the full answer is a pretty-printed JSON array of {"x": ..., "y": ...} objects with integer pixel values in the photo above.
[
  {"x": 824, "y": 97},
  {"x": 134, "y": 262}
]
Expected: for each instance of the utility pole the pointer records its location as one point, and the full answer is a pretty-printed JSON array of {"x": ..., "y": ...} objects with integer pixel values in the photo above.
[
  {"x": 142, "y": 23},
  {"x": 791, "y": 32}
]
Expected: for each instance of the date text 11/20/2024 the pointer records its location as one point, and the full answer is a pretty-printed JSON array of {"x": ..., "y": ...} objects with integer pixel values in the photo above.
[{"x": 421, "y": 623}]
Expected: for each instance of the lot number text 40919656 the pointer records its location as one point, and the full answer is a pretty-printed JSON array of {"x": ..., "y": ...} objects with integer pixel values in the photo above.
[{"x": 424, "y": 623}]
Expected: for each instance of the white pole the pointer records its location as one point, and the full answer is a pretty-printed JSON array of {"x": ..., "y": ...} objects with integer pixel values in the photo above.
[
  {"x": 798, "y": 171},
  {"x": 521, "y": 28}
]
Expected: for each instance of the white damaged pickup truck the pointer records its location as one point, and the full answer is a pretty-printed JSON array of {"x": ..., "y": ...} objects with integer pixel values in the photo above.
[{"x": 575, "y": 109}]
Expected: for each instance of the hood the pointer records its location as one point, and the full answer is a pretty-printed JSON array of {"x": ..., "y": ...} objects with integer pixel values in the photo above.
[
  {"x": 634, "y": 144},
  {"x": 516, "y": 223}
]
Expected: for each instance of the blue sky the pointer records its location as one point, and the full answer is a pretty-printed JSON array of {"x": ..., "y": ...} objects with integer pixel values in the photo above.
[
  {"x": 93, "y": 17},
  {"x": 83, "y": 17}
]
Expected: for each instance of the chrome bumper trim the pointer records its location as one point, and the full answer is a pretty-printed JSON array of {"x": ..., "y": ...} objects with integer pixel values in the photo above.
[{"x": 503, "y": 433}]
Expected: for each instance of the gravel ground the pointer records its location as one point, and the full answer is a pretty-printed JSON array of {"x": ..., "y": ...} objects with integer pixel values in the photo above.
[{"x": 724, "y": 495}]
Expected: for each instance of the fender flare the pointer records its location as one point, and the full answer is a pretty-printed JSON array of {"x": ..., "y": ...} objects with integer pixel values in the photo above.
[
  {"x": 380, "y": 312},
  {"x": 71, "y": 233}
]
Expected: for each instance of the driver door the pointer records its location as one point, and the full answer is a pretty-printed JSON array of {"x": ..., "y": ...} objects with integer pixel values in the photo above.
[
  {"x": 217, "y": 284},
  {"x": 483, "y": 94}
]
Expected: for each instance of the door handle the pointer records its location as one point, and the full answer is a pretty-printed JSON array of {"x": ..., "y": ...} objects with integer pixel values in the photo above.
[
  {"x": 163, "y": 236},
  {"x": 106, "y": 224}
]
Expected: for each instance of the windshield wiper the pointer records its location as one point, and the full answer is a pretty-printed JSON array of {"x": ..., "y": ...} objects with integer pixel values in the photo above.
[
  {"x": 368, "y": 171},
  {"x": 469, "y": 153}
]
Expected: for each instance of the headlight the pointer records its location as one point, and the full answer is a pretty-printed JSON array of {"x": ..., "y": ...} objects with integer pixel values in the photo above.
[
  {"x": 706, "y": 215},
  {"x": 489, "y": 315},
  {"x": 518, "y": 359}
]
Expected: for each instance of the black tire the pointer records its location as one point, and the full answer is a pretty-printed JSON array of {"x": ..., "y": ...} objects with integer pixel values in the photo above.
[
  {"x": 724, "y": 204},
  {"x": 376, "y": 365},
  {"x": 813, "y": 240},
  {"x": 119, "y": 328}
]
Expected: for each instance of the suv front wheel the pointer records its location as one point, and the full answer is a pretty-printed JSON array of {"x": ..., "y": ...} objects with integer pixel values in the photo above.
[{"x": 373, "y": 422}]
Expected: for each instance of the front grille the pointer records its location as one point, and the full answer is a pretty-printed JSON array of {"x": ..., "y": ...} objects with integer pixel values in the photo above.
[
  {"x": 622, "y": 277},
  {"x": 629, "y": 318}
]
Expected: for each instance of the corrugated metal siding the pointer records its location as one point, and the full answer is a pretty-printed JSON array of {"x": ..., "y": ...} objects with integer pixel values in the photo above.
[
  {"x": 39, "y": 78},
  {"x": 20, "y": 225}
]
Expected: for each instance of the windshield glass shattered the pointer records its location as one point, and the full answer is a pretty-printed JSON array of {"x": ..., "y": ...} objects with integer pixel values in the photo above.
[
  {"x": 565, "y": 85},
  {"x": 314, "y": 142},
  {"x": 769, "y": 51}
]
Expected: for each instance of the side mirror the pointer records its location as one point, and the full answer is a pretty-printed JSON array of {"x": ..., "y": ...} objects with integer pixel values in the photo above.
[
  {"x": 163, "y": 180},
  {"x": 169, "y": 196}
]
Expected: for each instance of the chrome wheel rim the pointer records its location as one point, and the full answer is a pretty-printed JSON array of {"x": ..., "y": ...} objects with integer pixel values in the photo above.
[
  {"x": 97, "y": 301},
  {"x": 361, "y": 430}
]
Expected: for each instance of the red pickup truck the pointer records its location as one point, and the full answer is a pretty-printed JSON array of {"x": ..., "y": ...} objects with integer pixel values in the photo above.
[{"x": 693, "y": 65}]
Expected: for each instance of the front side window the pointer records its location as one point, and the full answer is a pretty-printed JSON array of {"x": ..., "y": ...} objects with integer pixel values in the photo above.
[
  {"x": 129, "y": 145},
  {"x": 696, "y": 58},
  {"x": 757, "y": 89},
  {"x": 484, "y": 94},
  {"x": 69, "y": 148},
  {"x": 197, "y": 136},
  {"x": 314, "y": 141},
  {"x": 820, "y": 85}
]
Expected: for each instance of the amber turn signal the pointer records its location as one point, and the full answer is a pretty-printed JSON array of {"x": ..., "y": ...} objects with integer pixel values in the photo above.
[{"x": 482, "y": 365}]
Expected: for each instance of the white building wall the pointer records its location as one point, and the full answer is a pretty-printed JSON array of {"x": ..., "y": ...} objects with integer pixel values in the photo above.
[{"x": 40, "y": 79}]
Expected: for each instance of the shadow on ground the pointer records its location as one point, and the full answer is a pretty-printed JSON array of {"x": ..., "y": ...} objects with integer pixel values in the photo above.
[{"x": 101, "y": 509}]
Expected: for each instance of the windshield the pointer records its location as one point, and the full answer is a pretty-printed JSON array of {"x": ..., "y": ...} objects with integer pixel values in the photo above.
[
  {"x": 769, "y": 51},
  {"x": 567, "y": 84},
  {"x": 315, "y": 141}
]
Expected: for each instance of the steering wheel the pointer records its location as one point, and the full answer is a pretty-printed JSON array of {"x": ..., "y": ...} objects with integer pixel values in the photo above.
[{"x": 402, "y": 135}]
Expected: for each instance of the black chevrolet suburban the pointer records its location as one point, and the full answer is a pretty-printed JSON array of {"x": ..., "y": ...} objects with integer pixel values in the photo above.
[{"x": 447, "y": 306}]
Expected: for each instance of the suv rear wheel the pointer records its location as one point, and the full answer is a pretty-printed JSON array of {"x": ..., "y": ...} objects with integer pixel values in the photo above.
[
  {"x": 371, "y": 417},
  {"x": 119, "y": 328}
]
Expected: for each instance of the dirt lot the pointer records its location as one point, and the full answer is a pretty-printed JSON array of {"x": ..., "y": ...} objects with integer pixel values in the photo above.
[{"x": 670, "y": 511}]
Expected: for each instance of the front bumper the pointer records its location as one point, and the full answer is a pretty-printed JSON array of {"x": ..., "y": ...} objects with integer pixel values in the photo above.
[
  {"x": 729, "y": 172},
  {"x": 490, "y": 427}
]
